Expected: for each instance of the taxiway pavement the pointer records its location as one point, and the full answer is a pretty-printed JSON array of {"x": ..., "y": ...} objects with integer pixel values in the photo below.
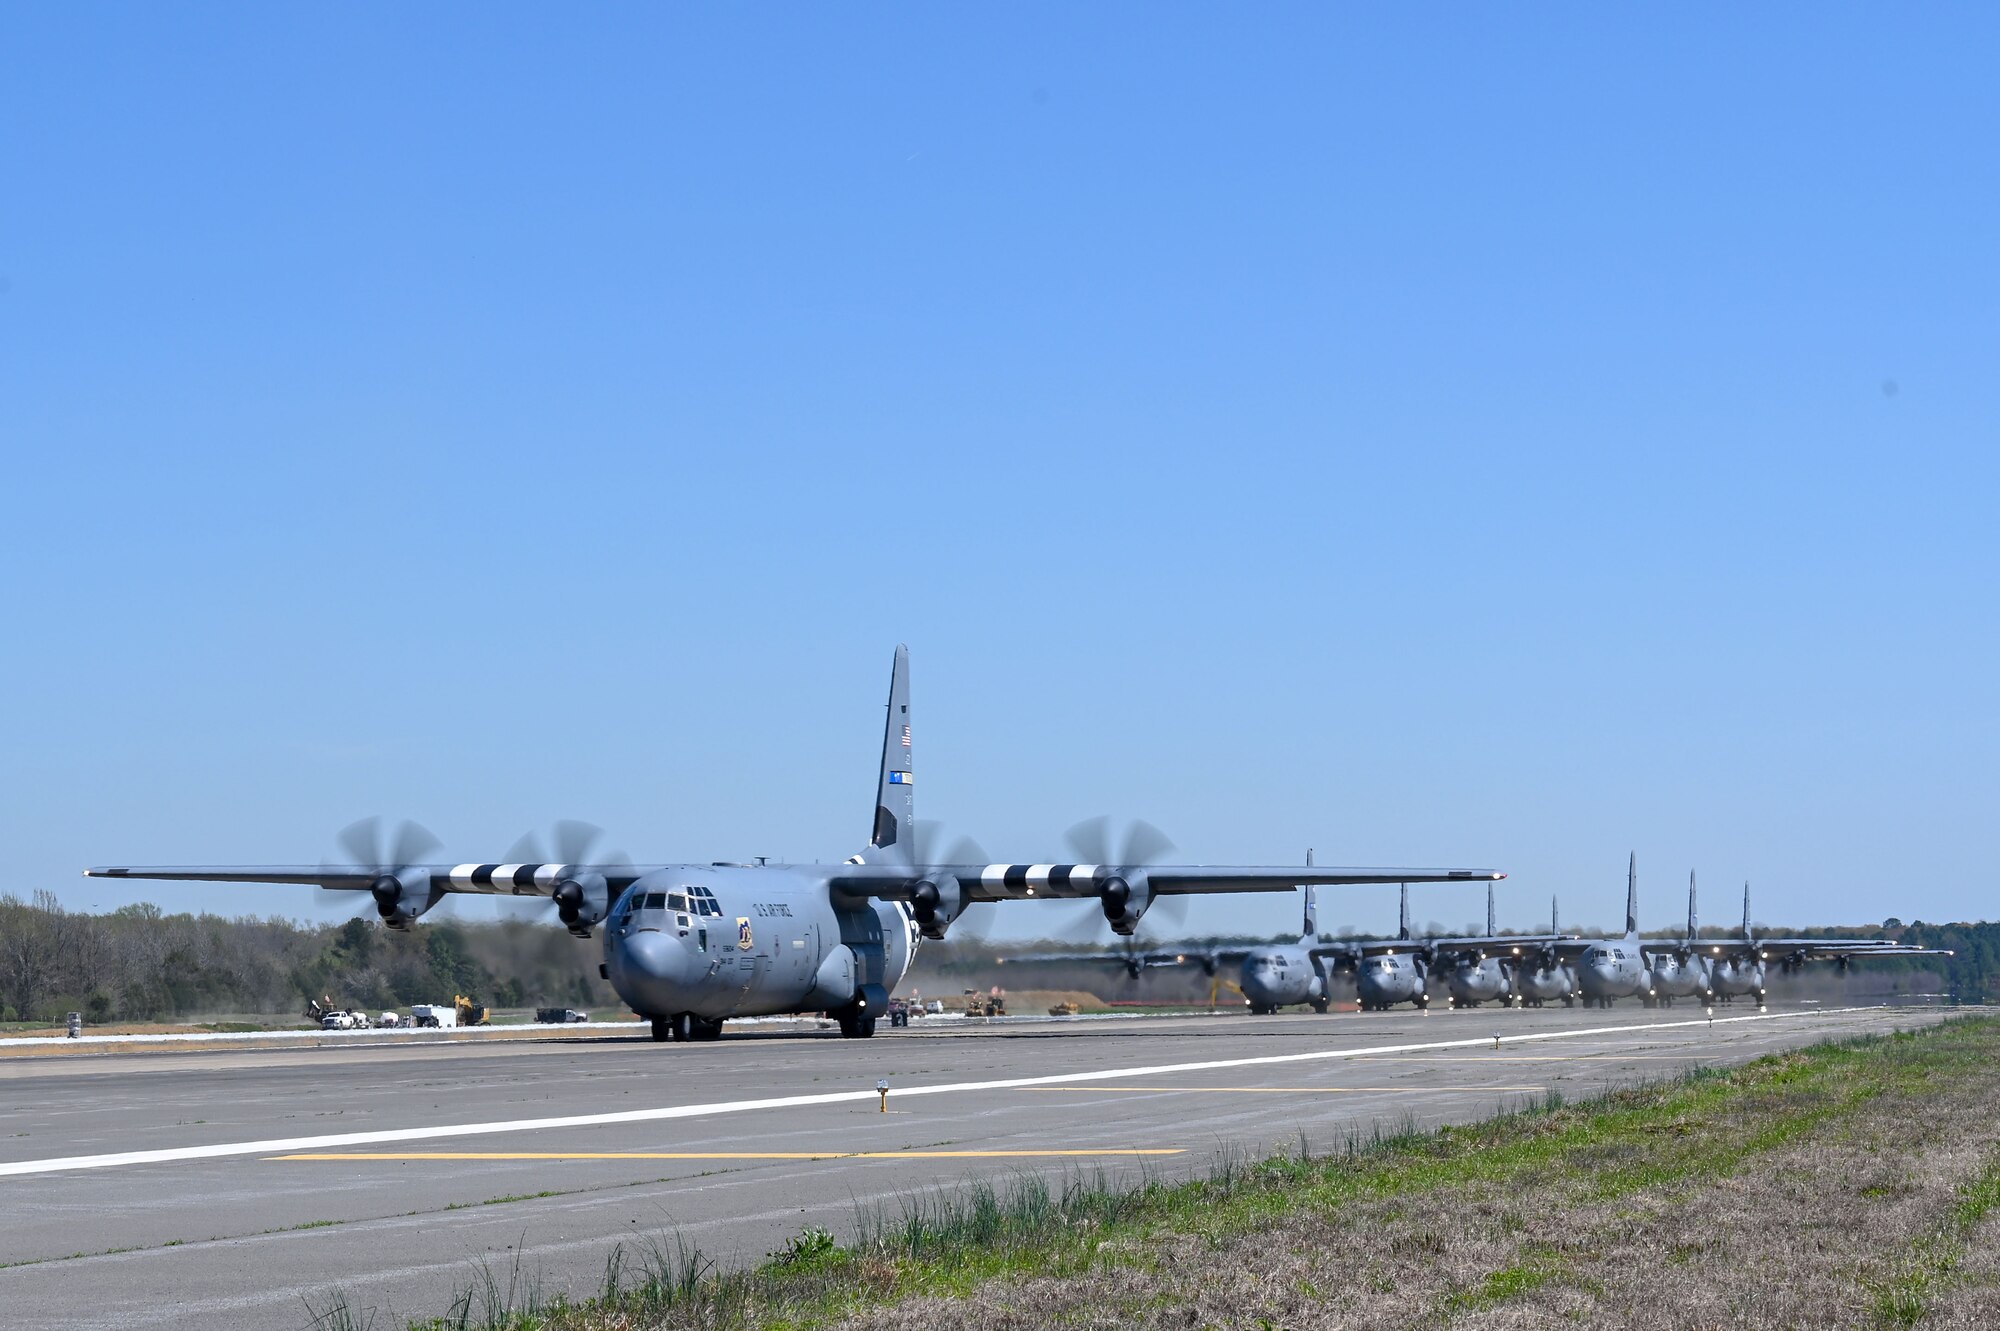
[{"x": 241, "y": 1189}]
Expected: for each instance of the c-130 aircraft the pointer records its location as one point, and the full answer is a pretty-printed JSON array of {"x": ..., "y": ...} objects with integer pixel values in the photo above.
[{"x": 690, "y": 945}]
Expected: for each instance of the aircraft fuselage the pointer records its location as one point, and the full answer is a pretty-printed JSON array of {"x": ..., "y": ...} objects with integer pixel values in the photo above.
[
  {"x": 1544, "y": 984},
  {"x": 739, "y": 941},
  {"x": 1275, "y": 977},
  {"x": 1674, "y": 977},
  {"x": 1471, "y": 981},
  {"x": 1387, "y": 978},
  {"x": 1611, "y": 970},
  {"x": 1734, "y": 977}
]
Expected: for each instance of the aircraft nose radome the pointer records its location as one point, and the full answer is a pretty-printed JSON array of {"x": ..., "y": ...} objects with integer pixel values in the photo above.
[{"x": 653, "y": 966}]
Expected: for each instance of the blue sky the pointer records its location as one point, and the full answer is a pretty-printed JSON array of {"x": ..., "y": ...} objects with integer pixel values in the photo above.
[{"x": 1505, "y": 436}]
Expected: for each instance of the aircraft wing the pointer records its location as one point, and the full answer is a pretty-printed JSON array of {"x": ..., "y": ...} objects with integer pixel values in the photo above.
[
  {"x": 521, "y": 880},
  {"x": 1193, "y": 879},
  {"x": 1129, "y": 960},
  {"x": 1014, "y": 882},
  {"x": 1832, "y": 949},
  {"x": 1495, "y": 945}
]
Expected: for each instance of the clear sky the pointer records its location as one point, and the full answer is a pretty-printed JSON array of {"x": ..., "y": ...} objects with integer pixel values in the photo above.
[{"x": 1497, "y": 435}]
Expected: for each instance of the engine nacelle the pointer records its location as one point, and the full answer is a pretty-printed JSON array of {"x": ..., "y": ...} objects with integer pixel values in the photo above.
[
  {"x": 936, "y": 905},
  {"x": 1124, "y": 903},
  {"x": 582, "y": 900},
  {"x": 403, "y": 896}
]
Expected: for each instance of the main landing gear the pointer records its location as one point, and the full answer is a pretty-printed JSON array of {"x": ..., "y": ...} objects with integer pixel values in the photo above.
[
  {"x": 854, "y": 1026},
  {"x": 686, "y": 1026}
]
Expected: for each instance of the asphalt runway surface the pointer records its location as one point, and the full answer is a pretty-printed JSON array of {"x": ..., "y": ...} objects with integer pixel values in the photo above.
[{"x": 242, "y": 1188}]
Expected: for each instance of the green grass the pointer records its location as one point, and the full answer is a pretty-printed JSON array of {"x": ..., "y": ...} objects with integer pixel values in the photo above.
[
  {"x": 1931, "y": 1269},
  {"x": 1626, "y": 1148}
]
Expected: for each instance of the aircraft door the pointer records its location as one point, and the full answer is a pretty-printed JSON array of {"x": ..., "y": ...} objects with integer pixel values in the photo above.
[{"x": 801, "y": 957}]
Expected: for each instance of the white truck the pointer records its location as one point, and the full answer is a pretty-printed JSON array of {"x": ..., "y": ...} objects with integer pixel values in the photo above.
[{"x": 441, "y": 1015}]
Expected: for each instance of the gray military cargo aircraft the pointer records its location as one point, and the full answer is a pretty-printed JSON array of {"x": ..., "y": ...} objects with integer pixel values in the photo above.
[
  {"x": 1657, "y": 970},
  {"x": 1540, "y": 977},
  {"x": 1607, "y": 969},
  {"x": 1678, "y": 969},
  {"x": 1482, "y": 970},
  {"x": 1271, "y": 975},
  {"x": 1736, "y": 967},
  {"x": 690, "y": 945},
  {"x": 1386, "y": 971}
]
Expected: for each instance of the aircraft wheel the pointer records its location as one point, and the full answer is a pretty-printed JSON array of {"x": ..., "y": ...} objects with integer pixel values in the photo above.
[
  {"x": 1322, "y": 1005},
  {"x": 1423, "y": 1003},
  {"x": 702, "y": 1028},
  {"x": 1569, "y": 1000},
  {"x": 662, "y": 1029}
]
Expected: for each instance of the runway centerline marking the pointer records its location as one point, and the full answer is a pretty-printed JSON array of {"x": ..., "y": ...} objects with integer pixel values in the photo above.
[
  {"x": 433, "y": 1131},
  {"x": 728, "y": 1155}
]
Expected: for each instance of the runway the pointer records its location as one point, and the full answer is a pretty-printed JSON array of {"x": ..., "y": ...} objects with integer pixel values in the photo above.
[{"x": 240, "y": 1188}]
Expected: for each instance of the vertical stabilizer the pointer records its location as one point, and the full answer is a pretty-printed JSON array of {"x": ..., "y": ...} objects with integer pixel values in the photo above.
[
  {"x": 1403, "y": 915},
  {"x": 1746, "y": 910},
  {"x": 1311, "y": 930},
  {"x": 1694, "y": 920},
  {"x": 1632, "y": 896},
  {"x": 1555, "y": 917},
  {"x": 1492, "y": 926},
  {"x": 895, "y": 791}
]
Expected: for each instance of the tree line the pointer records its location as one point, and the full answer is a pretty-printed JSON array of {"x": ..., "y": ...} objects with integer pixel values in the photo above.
[{"x": 140, "y": 964}]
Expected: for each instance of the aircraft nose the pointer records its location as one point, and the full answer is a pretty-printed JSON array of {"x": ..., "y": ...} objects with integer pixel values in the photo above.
[{"x": 651, "y": 970}]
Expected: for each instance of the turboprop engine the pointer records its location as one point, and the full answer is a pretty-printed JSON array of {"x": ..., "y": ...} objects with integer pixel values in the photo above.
[
  {"x": 1125, "y": 902},
  {"x": 401, "y": 896},
  {"x": 936, "y": 904},
  {"x": 582, "y": 899}
]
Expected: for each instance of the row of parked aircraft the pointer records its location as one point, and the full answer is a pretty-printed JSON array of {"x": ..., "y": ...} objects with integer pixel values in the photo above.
[
  {"x": 691, "y": 945},
  {"x": 1513, "y": 969}
]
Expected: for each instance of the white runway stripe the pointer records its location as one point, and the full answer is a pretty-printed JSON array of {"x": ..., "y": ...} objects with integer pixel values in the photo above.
[{"x": 282, "y": 1145}]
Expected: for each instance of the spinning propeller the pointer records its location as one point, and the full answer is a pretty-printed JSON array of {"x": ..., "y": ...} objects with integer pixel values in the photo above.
[
  {"x": 1131, "y": 845},
  {"x": 941, "y": 905},
  {"x": 390, "y": 852},
  {"x": 581, "y": 897}
]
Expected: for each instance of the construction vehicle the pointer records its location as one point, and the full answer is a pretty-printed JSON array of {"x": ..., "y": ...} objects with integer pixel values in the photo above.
[
  {"x": 469, "y": 1013},
  {"x": 990, "y": 1004},
  {"x": 327, "y": 1017},
  {"x": 1064, "y": 1009}
]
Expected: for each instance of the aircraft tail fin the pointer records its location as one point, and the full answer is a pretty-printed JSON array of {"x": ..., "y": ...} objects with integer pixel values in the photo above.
[
  {"x": 895, "y": 790},
  {"x": 1555, "y": 917},
  {"x": 1746, "y": 910},
  {"x": 1311, "y": 930},
  {"x": 1632, "y": 896},
  {"x": 1492, "y": 925},
  {"x": 1694, "y": 919},
  {"x": 1403, "y": 915}
]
